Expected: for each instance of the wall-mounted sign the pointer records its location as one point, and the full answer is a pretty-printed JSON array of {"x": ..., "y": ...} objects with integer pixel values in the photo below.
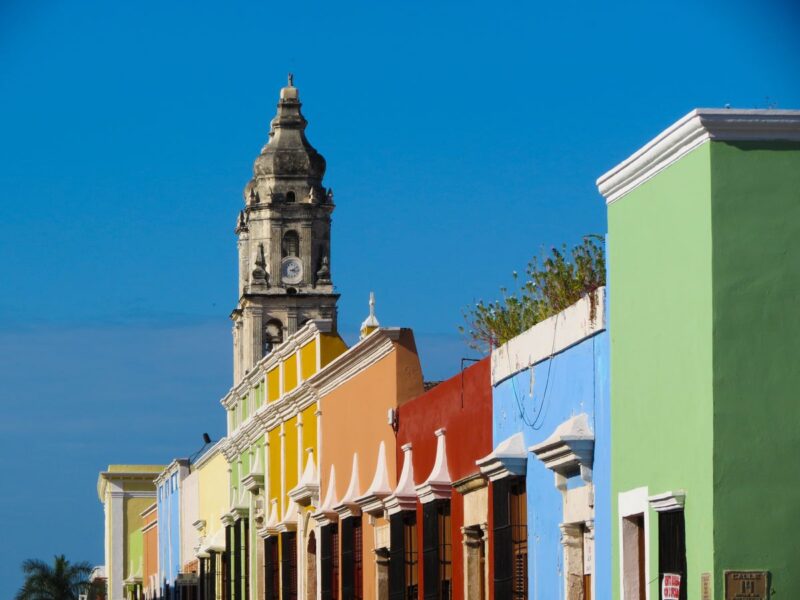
[
  {"x": 671, "y": 586},
  {"x": 746, "y": 585},
  {"x": 705, "y": 586}
]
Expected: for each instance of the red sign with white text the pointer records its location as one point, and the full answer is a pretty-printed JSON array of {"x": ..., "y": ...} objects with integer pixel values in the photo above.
[{"x": 671, "y": 586}]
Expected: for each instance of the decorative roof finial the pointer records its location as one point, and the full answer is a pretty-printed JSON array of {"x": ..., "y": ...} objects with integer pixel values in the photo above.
[
  {"x": 370, "y": 324},
  {"x": 291, "y": 79}
]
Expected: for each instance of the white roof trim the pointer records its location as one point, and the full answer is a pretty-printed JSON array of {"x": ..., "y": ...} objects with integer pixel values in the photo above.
[
  {"x": 549, "y": 337},
  {"x": 693, "y": 130},
  {"x": 372, "y": 500},
  {"x": 438, "y": 486},
  {"x": 348, "y": 507},
  {"x": 289, "y": 522},
  {"x": 216, "y": 543},
  {"x": 405, "y": 494},
  {"x": 508, "y": 459}
]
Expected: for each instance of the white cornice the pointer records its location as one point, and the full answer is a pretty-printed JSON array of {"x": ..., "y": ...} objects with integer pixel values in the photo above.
[
  {"x": 360, "y": 357},
  {"x": 209, "y": 454},
  {"x": 696, "y": 128}
]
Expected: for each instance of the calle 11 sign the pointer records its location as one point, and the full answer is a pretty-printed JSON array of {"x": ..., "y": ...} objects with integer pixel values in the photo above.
[{"x": 746, "y": 585}]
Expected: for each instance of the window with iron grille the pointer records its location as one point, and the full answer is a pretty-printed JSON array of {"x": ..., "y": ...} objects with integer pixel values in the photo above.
[
  {"x": 226, "y": 562},
  {"x": 271, "y": 569},
  {"x": 289, "y": 565},
  {"x": 329, "y": 561},
  {"x": 403, "y": 556},
  {"x": 510, "y": 538},
  {"x": 245, "y": 558},
  {"x": 437, "y": 550},
  {"x": 351, "y": 565},
  {"x": 358, "y": 561},
  {"x": 672, "y": 547}
]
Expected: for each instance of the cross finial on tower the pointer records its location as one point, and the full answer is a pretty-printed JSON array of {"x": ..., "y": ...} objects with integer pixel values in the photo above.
[{"x": 291, "y": 79}]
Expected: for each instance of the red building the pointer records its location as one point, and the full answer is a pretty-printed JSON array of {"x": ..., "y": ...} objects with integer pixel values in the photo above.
[{"x": 440, "y": 514}]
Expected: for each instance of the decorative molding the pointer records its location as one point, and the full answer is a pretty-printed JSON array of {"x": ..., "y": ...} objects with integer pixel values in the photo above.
[
  {"x": 372, "y": 500},
  {"x": 325, "y": 514},
  {"x": 347, "y": 506},
  {"x": 307, "y": 490},
  {"x": 668, "y": 501},
  {"x": 438, "y": 486},
  {"x": 549, "y": 337},
  {"x": 404, "y": 496},
  {"x": 569, "y": 448},
  {"x": 508, "y": 459},
  {"x": 691, "y": 131},
  {"x": 210, "y": 453},
  {"x": 470, "y": 483}
]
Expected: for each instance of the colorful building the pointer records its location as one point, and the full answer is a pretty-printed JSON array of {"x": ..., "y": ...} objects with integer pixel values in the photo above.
[
  {"x": 213, "y": 493},
  {"x": 125, "y": 492},
  {"x": 703, "y": 251},
  {"x": 273, "y": 428},
  {"x": 168, "y": 485},
  {"x": 550, "y": 464},
  {"x": 440, "y": 510},
  {"x": 359, "y": 393},
  {"x": 151, "y": 583}
]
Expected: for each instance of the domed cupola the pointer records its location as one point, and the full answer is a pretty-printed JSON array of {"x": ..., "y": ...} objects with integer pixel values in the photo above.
[{"x": 288, "y": 169}]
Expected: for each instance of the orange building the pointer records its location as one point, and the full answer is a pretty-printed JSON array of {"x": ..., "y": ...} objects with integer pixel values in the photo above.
[
  {"x": 359, "y": 394},
  {"x": 150, "y": 581}
]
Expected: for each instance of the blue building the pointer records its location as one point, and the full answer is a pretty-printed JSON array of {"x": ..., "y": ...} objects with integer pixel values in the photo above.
[
  {"x": 168, "y": 490},
  {"x": 550, "y": 468}
]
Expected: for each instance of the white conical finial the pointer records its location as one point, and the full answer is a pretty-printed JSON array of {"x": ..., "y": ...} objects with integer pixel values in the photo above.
[{"x": 370, "y": 324}]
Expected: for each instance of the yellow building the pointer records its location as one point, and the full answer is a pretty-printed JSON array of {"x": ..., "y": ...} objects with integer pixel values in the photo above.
[{"x": 125, "y": 492}]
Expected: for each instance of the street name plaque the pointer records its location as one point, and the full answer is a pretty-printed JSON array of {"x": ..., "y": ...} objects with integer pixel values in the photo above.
[
  {"x": 705, "y": 586},
  {"x": 746, "y": 585}
]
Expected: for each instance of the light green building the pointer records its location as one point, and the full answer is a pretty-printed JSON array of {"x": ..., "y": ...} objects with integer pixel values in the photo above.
[{"x": 704, "y": 274}]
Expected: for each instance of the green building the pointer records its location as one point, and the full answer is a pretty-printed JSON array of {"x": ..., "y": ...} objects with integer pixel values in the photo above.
[{"x": 704, "y": 280}]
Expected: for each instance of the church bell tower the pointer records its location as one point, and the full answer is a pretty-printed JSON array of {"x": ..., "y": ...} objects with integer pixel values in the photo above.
[{"x": 283, "y": 240}]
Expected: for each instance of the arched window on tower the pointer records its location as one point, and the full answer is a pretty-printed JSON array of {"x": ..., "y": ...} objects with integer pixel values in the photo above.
[
  {"x": 272, "y": 336},
  {"x": 291, "y": 244},
  {"x": 290, "y": 197}
]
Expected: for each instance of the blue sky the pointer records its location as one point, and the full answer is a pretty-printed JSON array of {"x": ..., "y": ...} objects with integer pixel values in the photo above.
[{"x": 461, "y": 138}]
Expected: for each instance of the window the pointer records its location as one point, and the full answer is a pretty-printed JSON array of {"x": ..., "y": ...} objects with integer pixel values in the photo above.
[
  {"x": 290, "y": 196},
  {"x": 273, "y": 335},
  {"x": 403, "y": 555},
  {"x": 289, "y": 565},
  {"x": 291, "y": 244},
  {"x": 352, "y": 560},
  {"x": 672, "y": 547},
  {"x": 510, "y": 538},
  {"x": 437, "y": 550},
  {"x": 329, "y": 561},
  {"x": 271, "y": 569}
]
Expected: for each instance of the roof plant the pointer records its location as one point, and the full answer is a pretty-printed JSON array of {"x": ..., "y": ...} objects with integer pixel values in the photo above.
[
  {"x": 552, "y": 282},
  {"x": 62, "y": 580}
]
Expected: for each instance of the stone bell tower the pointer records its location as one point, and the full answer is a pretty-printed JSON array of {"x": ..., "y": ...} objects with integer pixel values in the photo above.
[{"x": 283, "y": 240}]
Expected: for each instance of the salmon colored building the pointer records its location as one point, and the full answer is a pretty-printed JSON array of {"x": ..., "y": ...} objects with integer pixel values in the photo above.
[
  {"x": 440, "y": 515},
  {"x": 150, "y": 581},
  {"x": 359, "y": 394}
]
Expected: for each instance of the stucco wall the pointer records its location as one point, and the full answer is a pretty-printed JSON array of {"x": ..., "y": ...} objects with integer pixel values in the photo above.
[
  {"x": 189, "y": 510},
  {"x": 572, "y": 382},
  {"x": 660, "y": 319},
  {"x": 756, "y": 267},
  {"x": 467, "y": 419}
]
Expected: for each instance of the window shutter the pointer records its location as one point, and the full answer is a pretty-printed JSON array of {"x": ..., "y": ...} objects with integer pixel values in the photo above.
[
  {"x": 430, "y": 550},
  {"x": 289, "y": 565},
  {"x": 397, "y": 549},
  {"x": 326, "y": 561},
  {"x": 503, "y": 544},
  {"x": 348, "y": 563}
]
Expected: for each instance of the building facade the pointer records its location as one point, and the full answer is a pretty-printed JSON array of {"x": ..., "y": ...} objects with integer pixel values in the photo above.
[
  {"x": 169, "y": 485},
  {"x": 550, "y": 467},
  {"x": 125, "y": 492},
  {"x": 703, "y": 253}
]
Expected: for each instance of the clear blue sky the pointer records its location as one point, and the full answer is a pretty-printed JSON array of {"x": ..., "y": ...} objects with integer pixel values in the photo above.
[{"x": 461, "y": 137}]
